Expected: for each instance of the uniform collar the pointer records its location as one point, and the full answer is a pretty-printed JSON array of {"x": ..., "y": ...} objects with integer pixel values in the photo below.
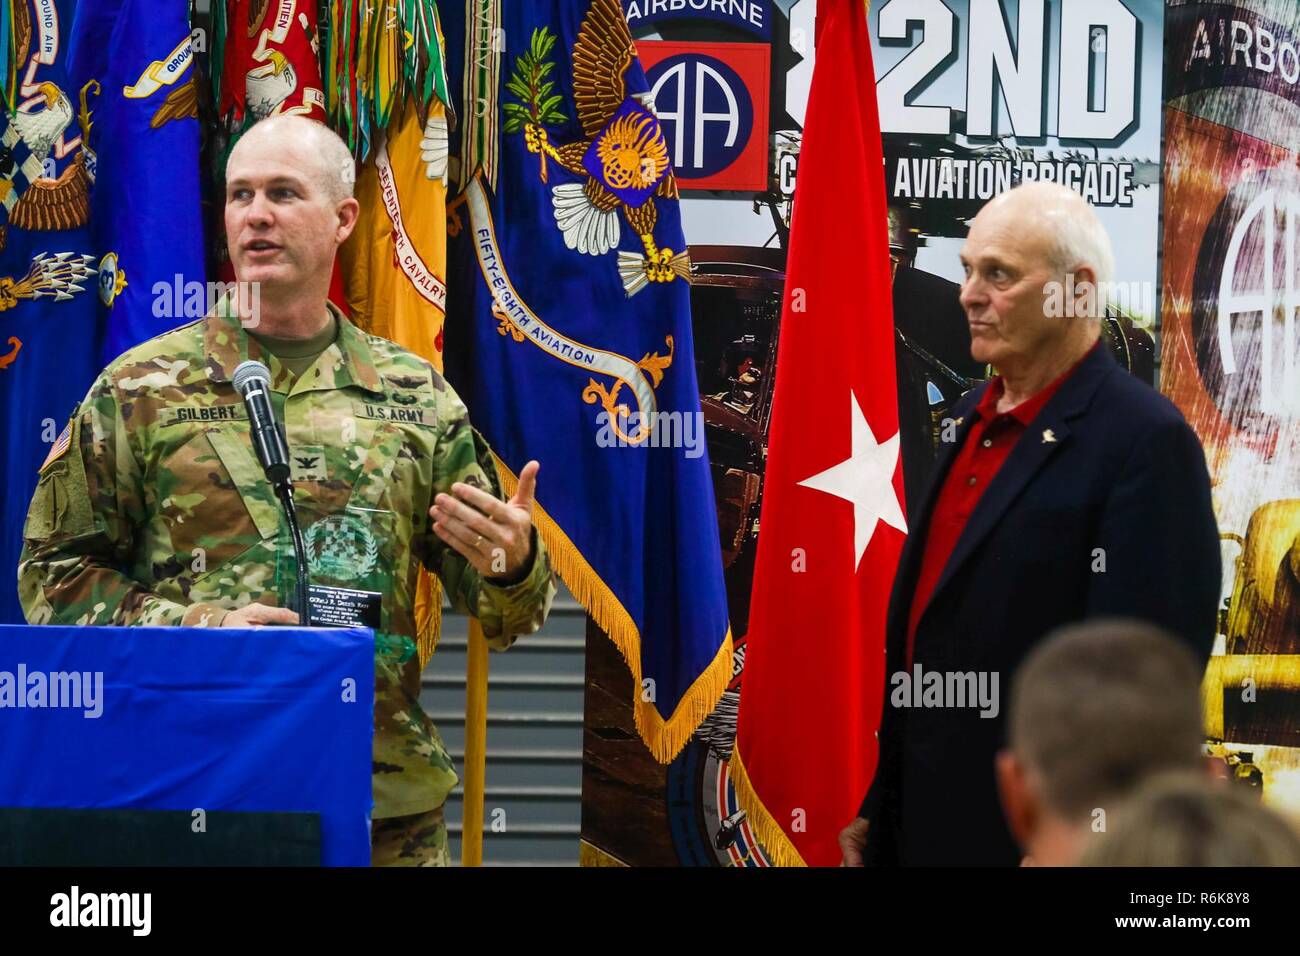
[{"x": 226, "y": 344}]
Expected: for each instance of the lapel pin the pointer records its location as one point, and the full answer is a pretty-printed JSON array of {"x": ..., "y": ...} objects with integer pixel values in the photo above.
[{"x": 1048, "y": 437}]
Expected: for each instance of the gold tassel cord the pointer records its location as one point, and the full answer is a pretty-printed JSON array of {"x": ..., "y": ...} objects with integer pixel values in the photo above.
[
  {"x": 770, "y": 833},
  {"x": 428, "y": 615},
  {"x": 664, "y": 738},
  {"x": 475, "y": 779}
]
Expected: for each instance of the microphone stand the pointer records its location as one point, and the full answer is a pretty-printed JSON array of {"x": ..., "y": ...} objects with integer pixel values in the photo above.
[
  {"x": 252, "y": 380},
  {"x": 284, "y": 491}
]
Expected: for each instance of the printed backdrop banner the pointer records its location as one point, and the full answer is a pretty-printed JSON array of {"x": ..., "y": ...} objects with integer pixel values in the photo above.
[
  {"x": 155, "y": 718},
  {"x": 977, "y": 96},
  {"x": 748, "y": 16},
  {"x": 1232, "y": 198}
]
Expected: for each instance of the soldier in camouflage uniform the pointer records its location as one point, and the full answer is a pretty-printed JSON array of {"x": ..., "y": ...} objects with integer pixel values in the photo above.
[{"x": 154, "y": 510}]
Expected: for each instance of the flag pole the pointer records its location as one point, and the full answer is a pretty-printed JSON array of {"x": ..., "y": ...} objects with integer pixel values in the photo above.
[{"x": 476, "y": 674}]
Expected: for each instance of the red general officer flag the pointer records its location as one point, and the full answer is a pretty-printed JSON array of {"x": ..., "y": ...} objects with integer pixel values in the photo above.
[{"x": 832, "y": 524}]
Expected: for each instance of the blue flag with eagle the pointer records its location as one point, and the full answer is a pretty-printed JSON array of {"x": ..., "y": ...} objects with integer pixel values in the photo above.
[
  {"x": 569, "y": 335},
  {"x": 99, "y": 208}
]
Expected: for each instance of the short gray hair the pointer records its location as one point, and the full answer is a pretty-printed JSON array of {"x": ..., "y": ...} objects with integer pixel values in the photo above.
[
  {"x": 337, "y": 167},
  {"x": 1099, "y": 706},
  {"x": 1183, "y": 820}
]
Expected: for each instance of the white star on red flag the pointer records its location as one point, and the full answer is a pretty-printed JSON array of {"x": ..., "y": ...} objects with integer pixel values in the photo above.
[{"x": 865, "y": 478}]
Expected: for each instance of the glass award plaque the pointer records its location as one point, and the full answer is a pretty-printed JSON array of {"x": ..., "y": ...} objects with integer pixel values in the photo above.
[{"x": 349, "y": 567}]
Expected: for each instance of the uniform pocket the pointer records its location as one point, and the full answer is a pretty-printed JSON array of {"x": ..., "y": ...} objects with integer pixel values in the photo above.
[
  {"x": 248, "y": 479},
  {"x": 207, "y": 504}
]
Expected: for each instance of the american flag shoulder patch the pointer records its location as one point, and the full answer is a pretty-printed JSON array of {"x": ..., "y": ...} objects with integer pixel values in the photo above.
[{"x": 59, "y": 448}]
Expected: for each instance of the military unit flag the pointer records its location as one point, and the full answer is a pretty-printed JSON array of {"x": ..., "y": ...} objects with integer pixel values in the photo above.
[
  {"x": 268, "y": 53},
  {"x": 388, "y": 96},
  {"x": 569, "y": 336},
  {"x": 99, "y": 208}
]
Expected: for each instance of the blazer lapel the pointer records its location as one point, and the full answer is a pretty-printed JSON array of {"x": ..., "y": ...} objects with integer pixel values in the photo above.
[
  {"x": 1043, "y": 438},
  {"x": 909, "y": 562}
]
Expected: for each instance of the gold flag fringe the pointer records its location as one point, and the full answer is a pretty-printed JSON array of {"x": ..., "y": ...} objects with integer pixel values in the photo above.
[
  {"x": 770, "y": 833},
  {"x": 428, "y": 615},
  {"x": 665, "y": 739}
]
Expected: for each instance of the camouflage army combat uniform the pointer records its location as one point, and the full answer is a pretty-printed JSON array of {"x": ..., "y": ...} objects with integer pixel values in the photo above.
[{"x": 158, "y": 513}]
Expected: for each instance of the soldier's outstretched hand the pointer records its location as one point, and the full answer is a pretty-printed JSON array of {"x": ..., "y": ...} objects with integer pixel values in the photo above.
[{"x": 495, "y": 537}]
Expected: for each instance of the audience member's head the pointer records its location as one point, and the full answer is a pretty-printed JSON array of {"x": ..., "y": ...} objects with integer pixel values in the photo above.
[
  {"x": 1095, "y": 709},
  {"x": 1188, "y": 820}
]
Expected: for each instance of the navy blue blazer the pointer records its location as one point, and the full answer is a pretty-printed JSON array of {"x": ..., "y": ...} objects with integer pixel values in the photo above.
[{"x": 1109, "y": 464}]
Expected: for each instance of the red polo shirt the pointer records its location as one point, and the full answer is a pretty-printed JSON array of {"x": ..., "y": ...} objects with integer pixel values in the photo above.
[{"x": 988, "y": 443}]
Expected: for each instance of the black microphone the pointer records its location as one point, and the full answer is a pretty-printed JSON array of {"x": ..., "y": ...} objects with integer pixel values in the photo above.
[{"x": 252, "y": 380}]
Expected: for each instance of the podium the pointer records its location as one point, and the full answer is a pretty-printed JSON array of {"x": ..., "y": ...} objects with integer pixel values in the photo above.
[{"x": 185, "y": 746}]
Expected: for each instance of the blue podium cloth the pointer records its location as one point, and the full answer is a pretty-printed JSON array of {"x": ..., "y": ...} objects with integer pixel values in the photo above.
[{"x": 270, "y": 719}]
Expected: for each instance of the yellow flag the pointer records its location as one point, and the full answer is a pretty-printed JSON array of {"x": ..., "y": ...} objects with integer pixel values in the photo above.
[
  {"x": 395, "y": 265},
  {"x": 395, "y": 262}
]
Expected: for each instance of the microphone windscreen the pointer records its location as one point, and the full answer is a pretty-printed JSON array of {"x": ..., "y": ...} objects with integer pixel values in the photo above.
[{"x": 251, "y": 371}]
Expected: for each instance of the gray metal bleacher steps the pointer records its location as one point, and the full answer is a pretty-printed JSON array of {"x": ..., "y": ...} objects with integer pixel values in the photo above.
[{"x": 533, "y": 799}]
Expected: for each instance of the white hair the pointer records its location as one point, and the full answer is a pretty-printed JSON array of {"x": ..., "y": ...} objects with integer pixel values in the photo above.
[
  {"x": 1075, "y": 237},
  {"x": 1079, "y": 240}
]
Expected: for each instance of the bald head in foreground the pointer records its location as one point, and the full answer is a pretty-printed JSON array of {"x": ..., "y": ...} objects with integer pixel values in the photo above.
[{"x": 1065, "y": 490}]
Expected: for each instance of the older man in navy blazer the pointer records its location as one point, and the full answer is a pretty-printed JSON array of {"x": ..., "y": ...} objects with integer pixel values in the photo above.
[{"x": 1067, "y": 489}]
